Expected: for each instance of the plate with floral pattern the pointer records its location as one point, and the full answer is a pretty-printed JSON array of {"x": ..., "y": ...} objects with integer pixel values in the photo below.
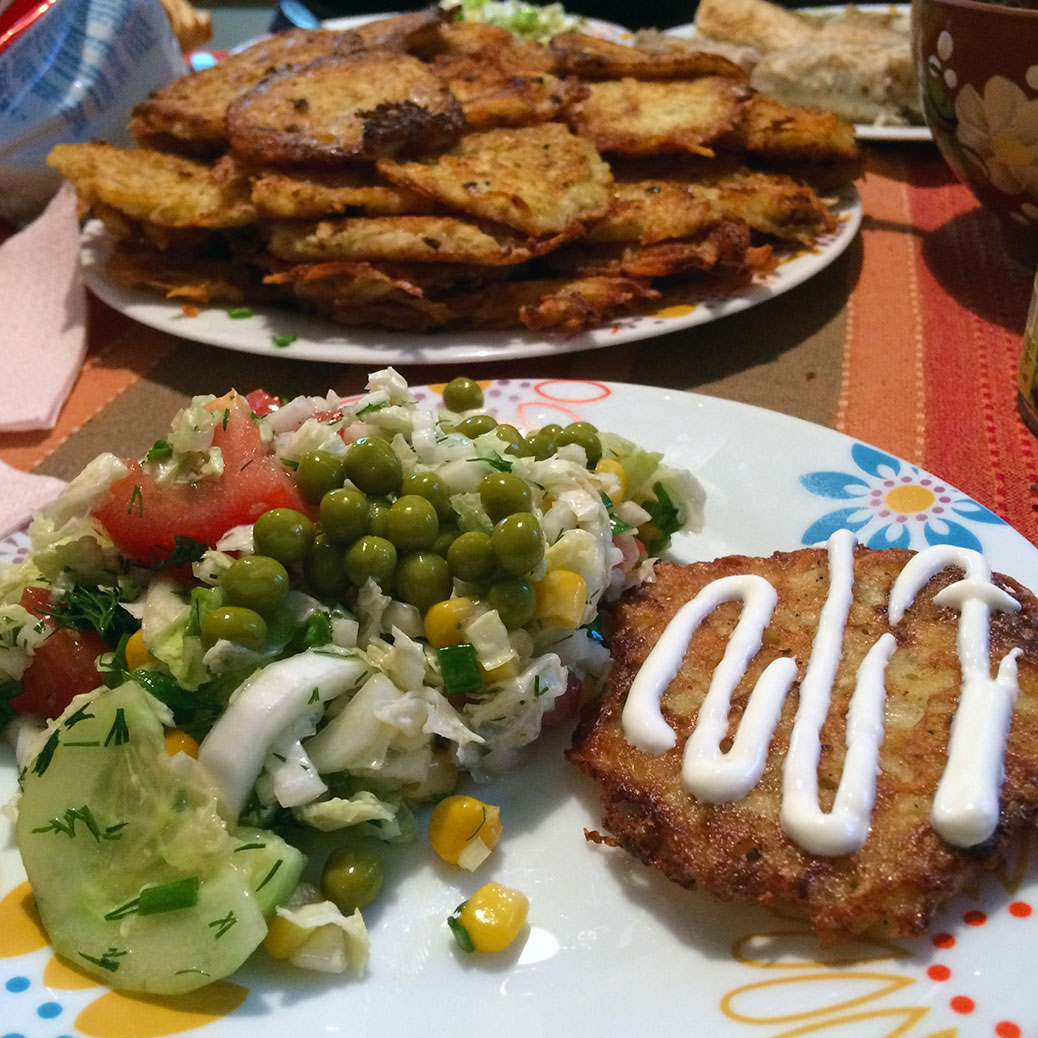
[{"x": 611, "y": 944}]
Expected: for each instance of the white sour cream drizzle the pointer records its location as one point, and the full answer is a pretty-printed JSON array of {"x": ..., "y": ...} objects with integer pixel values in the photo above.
[{"x": 965, "y": 810}]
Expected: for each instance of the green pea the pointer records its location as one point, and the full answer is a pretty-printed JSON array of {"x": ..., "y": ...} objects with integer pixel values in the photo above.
[
  {"x": 411, "y": 523},
  {"x": 515, "y": 601},
  {"x": 322, "y": 569},
  {"x": 283, "y": 534},
  {"x": 503, "y": 493},
  {"x": 476, "y": 424},
  {"x": 540, "y": 445},
  {"x": 352, "y": 877},
  {"x": 344, "y": 515},
  {"x": 512, "y": 436},
  {"x": 585, "y": 435},
  {"x": 446, "y": 537},
  {"x": 234, "y": 624},
  {"x": 518, "y": 543},
  {"x": 422, "y": 579},
  {"x": 256, "y": 581},
  {"x": 373, "y": 557},
  {"x": 462, "y": 394},
  {"x": 373, "y": 466},
  {"x": 319, "y": 472},
  {"x": 552, "y": 429},
  {"x": 430, "y": 486},
  {"x": 471, "y": 556},
  {"x": 378, "y": 509}
]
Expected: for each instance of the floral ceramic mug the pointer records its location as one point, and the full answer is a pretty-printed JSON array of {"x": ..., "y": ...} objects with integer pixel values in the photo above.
[{"x": 977, "y": 64}]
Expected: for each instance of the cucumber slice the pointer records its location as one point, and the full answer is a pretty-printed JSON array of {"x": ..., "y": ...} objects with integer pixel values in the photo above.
[{"x": 105, "y": 814}]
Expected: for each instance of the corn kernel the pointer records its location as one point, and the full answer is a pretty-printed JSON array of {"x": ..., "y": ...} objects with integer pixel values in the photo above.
[
  {"x": 561, "y": 598},
  {"x": 614, "y": 468},
  {"x": 493, "y": 916},
  {"x": 508, "y": 669},
  {"x": 181, "y": 742},
  {"x": 137, "y": 654},
  {"x": 444, "y": 622},
  {"x": 463, "y": 830},
  {"x": 285, "y": 938}
]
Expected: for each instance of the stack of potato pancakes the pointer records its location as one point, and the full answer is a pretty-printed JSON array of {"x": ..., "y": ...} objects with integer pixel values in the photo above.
[{"x": 419, "y": 172}]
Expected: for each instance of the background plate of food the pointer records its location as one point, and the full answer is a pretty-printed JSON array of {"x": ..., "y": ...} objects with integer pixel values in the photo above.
[
  {"x": 415, "y": 174},
  {"x": 854, "y": 60},
  {"x": 634, "y": 945}
]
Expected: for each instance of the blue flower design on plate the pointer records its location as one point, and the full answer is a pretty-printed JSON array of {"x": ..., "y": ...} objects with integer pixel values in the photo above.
[{"x": 891, "y": 504}]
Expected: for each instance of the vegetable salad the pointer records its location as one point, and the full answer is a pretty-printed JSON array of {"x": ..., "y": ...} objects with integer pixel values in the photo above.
[{"x": 321, "y": 611}]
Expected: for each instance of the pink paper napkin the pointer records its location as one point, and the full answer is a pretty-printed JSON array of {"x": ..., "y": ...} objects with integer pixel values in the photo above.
[
  {"x": 44, "y": 314},
  {"x": 21, "y": 494}
]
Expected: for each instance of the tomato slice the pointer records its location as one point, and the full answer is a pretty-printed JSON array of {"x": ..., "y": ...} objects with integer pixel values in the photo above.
[
  {"x": 63, "y": 666},
  {"x": 144, "y": 519},
  {"x": 261, "y": 402}
]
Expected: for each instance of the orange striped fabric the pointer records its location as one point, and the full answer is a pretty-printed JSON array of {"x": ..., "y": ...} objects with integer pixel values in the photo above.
[{"x": 934, "y": 333}]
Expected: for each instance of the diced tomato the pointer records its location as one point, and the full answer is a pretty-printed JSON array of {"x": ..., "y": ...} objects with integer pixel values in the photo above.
[
  {"x": 261, "y": 402},
  {"x": 144, "y": 519},
  {"x": 567, "y": 706},
  {"x": 62, "y": 667}
]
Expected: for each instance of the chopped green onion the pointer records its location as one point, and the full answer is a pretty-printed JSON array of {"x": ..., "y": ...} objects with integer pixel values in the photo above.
[
  {"x": 663, "y": 511},
  {"x": 283, "y": 340},
  {"x": 169, "y": 897},
  {"x": 461, "y": 935},
  {"x": 238, "y": 312},
  {"x": 460, "y": 669},
  {"x": 159, "y": 451}
]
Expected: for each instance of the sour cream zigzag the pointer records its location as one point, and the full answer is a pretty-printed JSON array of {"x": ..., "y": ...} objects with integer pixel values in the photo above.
[{"x": 965, "y": 811}]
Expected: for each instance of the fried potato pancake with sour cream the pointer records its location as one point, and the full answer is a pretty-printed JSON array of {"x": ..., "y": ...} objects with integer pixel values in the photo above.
[
  {"x": 640, "y": 117},
  {"x": 436, "y": 239},
  {"x": 904, "y": 871},
  {"x": 193, "y": 108},
  {"x": 155, "y": 186},
  {"x": 542, "y": 180},
  {"x": 344, "y": 108}
]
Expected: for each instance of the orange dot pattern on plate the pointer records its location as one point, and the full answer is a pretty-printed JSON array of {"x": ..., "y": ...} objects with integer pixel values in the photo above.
[
  {"x": 943, "y": 940},
  {"x": 974, "y": 918},
  {"x": 938, "y": 972},
  {"x": 115, "y": 1015},
  {"x": 962, "y": 1004},
  {"x": 1021, "y": 909},
  {"x": 1006, "y": 1029}
]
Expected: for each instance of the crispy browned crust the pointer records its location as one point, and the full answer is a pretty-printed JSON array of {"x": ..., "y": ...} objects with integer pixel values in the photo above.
[
  {"x": 771, "y": 129},
  {"x": 648, "y": 211},
  {"x": 194, "y": 107},
  {"x": 722, "y": 249},
  {"x": 590, "y": 57},
  {"x": 541, "y": 180},
  {"x": 567, "y": 304},
  {"x": 156, "y": 187},
  {"x": 435, "y": 239},
  {"x": 905, "y": 871},
  {"x": 192, "y": 278},
  {"x": 309, "y": 194},
  {"x": 639, "y": 117},
  {"x": 344, "y": 108},
  {"x": 526, "y": 57},
  {"x": 414, "y": 31}
]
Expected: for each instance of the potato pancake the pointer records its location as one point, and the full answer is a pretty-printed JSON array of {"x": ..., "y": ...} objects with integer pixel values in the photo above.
[
  {"x": 636, "y": 117},
  {"x": 155, "y": 186},
  {"x": 649, "y": 211},
  {"x": 335, "y": 109},
  {"x": 904, "y": 870},
  {"x": 589, "y": 57},
  {"x": 191, "y": 278},
  {"x": 434, "y": 239},
  {"x": 194, "y": 108},
  {"x": 542, "y": 180},
  {"x": 769, "y": 128},
  {"x": 569, "y": 304},
  {"x": 309, "y": 194}
]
